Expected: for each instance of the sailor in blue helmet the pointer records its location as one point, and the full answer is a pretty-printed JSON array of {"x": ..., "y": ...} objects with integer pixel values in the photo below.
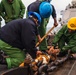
[
  {"x": 45, "y": 9},
  {"x": 25, "y": 32}
]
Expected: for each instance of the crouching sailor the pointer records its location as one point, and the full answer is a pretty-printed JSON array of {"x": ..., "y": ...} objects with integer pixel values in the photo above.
[{"x": 18, "y": 35}]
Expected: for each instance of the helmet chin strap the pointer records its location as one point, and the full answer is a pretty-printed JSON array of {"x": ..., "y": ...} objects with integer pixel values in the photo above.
[{"x": 35, "y": 20}]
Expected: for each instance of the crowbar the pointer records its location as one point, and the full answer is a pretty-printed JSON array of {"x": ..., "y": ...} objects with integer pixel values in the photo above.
[{"x": 45, "y": 36}]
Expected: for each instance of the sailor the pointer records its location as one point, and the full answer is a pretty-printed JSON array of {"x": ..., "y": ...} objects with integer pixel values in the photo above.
[
  {"x": 45, "y": 9},
  {"x": 66, "y": 38},
  {"x": 12, "y": 9},
  {"x": 18, "y": 36}
]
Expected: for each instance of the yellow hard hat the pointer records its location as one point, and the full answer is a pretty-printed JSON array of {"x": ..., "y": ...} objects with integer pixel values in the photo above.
[{"x": 72, "y": 23}]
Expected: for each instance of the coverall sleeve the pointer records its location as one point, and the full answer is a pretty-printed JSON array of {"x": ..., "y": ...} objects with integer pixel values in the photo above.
[
  {"x": 71, "y": 45},
  {"x": 58, "y": 35},
  {"x": 22, "y": 9},
  {"x": 54, "y": 12}
]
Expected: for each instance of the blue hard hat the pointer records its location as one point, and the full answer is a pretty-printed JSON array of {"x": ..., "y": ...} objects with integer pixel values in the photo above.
[
  {"x": 35, "y": 14},
  {"x": 45, "y": 9}
]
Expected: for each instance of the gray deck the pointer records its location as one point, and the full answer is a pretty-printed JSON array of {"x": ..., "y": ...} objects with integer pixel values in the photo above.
[
  {"x": 68, "y": 68},
  {"x": 2, "y": 68}
]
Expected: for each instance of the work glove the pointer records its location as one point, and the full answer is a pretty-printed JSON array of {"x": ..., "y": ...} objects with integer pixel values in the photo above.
[
  {"x": 55, "y": 24},
  {"x": 53, "y": 51},
  {"x": 38, "y": 53}
]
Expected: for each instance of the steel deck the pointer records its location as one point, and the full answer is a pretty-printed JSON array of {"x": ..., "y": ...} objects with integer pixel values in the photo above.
[{"x": 68, "y": 68}]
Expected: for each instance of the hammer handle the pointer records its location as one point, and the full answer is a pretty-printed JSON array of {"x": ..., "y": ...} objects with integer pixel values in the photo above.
[{"x": 45, "y": 36}]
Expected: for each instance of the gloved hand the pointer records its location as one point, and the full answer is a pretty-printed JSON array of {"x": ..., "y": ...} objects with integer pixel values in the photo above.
[
  {"x": 55, "y": 24},
  {"x": 53, "y": 51},
  {"x": 50, "y": 49},
  {"x": 38, "y": 53}
]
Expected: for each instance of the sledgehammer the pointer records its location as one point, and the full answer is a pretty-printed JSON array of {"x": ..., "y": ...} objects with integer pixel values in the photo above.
[{"x": 45, "y": 36}]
